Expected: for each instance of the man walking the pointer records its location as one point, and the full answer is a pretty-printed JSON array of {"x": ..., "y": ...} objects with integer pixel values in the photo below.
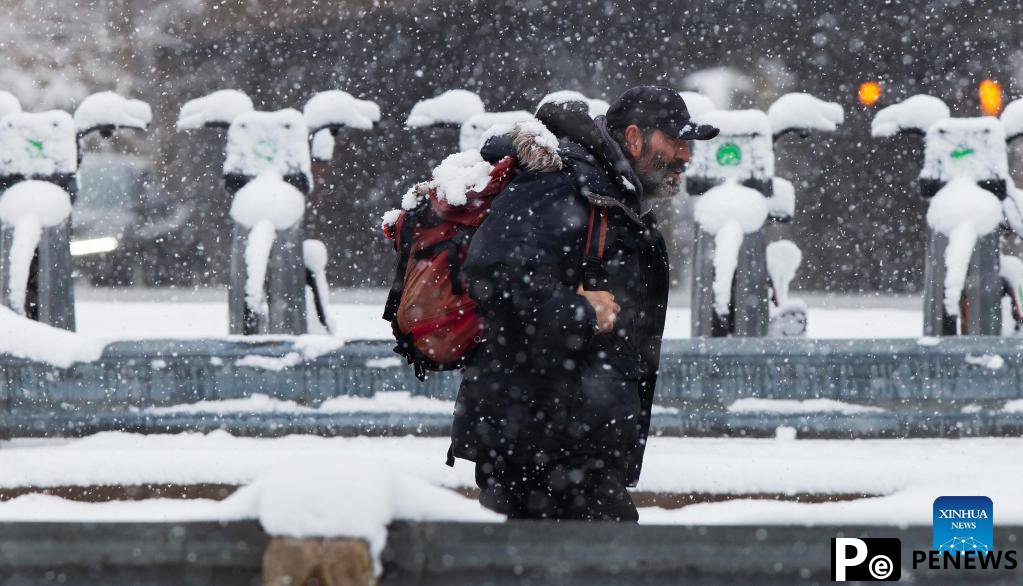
[{"x": 571, "y": 275}]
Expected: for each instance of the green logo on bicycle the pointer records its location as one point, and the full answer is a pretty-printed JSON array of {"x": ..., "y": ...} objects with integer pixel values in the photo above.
[
  {"x": 961, "y": 151},
  {"x": 265, "y": 149},
  {"x": 34, "y": 149},
  {"x": 729, "y": 155}
]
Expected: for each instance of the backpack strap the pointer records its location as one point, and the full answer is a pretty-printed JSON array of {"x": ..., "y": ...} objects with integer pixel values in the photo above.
[
  {"x": 594, "y": 275},
  {"x": 404, "y": 242}
]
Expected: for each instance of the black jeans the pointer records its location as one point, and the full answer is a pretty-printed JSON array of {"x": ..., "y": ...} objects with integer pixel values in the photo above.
[{"x": 570, "y": 488}]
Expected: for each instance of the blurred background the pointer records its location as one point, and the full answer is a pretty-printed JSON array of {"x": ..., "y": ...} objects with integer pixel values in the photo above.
[{"x": 156, "y": 211}]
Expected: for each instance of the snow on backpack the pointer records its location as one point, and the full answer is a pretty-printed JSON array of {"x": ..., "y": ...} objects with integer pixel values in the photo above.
[{"x": 434, "y": 320}]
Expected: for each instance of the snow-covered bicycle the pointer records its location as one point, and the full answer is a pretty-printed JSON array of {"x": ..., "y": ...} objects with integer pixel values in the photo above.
[
  {"x": 267, "y": 169},
  {"x": 39, "y": 157},
  {"x": 740, "y": 284},
  {"x": 968, "y": 283}
]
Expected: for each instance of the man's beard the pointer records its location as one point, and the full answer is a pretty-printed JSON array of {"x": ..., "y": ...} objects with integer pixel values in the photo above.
[{"x": 656, "y": 179}]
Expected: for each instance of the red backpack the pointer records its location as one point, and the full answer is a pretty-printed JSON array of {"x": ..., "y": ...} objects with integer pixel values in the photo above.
[{"x": 434, "y": 320}]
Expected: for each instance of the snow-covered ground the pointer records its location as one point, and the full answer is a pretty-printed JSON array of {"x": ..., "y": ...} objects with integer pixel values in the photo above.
[
  {"x": 161, "y": 314},
  {"x": 909, "y": 473}
]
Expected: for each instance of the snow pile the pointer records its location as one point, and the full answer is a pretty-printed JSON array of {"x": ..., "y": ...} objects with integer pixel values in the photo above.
[
  {"x": 335, "y": 109},
  {"x": 697, "y": 104},
  {"x": 380, "y": 402},
  {"x": 416, "y": 195},
  {"x": 988, "y": 361},
  {"x": 803, "y": 113},
  {"x": 595, "y": 107},
  {"x": 273, "y": 363},
  {"x": 38, "y": 144},
  {"x": 783, "y": 260},
  {"x": 965, "y": 147},
  {"x": 217, "y": 109},
  {"x": 782, "y": 203},
  {"x": 264, "y": 205},
  {"x": 915, "y": 114},
  {"x": 451, "y": 107},
  {"x": 353, "y": 498},
  {"x": 314, "y": 255},
  {"x": 475, "y": 129},
  {"x": 268, "y": 197},
  {"x": 1012, "y": 119},
  {"x": 269, "y": 140},
  {"x": 388, "y": 402},
  {"x": 963, "y": 212},
  {"x": 32, "y": 340},
  {"x": 390, "y": 218},
  {"x": 8, "y": 104},
  {"x": 258, "y": 246},
  {"x": 714, "y": 465},
  {"x": 322, "y": 147},
  {"x": 461, "y": 173},
  {"x": 28, "y": 207},
  {"x": 728, "y": 212},
  {"x": 47, "y": 203},
  {"x": 256, "y": 403},
  {"x": 41, "y": 508},
  {"x": 110, "y": 109},
  {"x": 796, "y": 407},
  {"x": 1013, "y": 406},
  {"x": 350, "y": 498},
  {"x": 743, "y": 150}
]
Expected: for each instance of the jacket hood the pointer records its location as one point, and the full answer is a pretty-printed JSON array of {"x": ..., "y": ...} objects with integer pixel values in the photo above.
[
  {"x": 565, "y": 137},
  {"x": 531, "y": 143},
  {"x": 605, "y": 175}
]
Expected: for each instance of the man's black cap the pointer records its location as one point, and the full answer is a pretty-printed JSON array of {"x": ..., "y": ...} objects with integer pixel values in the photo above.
[{"x": 651, "y": 106}]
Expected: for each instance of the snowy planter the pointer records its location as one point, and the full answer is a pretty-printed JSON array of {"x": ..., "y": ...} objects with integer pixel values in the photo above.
[
  {"x": 971, "y": 196},
  {"x": 733, "y": 177},
  {"x": 39, "y": 154},
  {"x": 268, "y": 168}
]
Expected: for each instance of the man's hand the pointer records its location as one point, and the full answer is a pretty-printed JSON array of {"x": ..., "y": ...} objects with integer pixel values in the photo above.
[{"x": 603, "y": 303}]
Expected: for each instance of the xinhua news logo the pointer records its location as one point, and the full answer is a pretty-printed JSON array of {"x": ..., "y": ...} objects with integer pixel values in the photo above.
[
  {"x": 963, "y": 537},
  {"x": 867, "y": 559}
]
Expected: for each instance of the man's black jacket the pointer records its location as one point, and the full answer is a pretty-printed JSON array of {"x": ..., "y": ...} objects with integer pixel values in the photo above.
[{"x": 521, "y": 395}]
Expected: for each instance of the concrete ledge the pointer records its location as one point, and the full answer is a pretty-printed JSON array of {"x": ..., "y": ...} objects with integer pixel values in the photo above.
[
  {"x": 131, "y": 553},
  {"x": 922, "y": 388},
  {"x": 457, "y": 554}
]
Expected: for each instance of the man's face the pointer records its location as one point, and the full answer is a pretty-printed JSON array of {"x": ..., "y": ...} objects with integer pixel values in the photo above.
[{"x": 659, "y": 160}]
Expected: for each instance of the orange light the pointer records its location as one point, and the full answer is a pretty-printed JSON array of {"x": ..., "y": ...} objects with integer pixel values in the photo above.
[
  {"x": 990, "y": 93},
  {"x": 870, "y": 92}
]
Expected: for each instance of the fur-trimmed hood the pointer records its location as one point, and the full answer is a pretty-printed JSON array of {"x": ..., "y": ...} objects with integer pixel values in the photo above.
[
  {"x": 531, "y": 143},
  {"x": 565, "y": 138}
]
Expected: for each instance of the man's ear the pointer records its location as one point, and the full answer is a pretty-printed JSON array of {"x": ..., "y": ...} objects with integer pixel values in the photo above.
[{"x": 634, "y": 140}]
